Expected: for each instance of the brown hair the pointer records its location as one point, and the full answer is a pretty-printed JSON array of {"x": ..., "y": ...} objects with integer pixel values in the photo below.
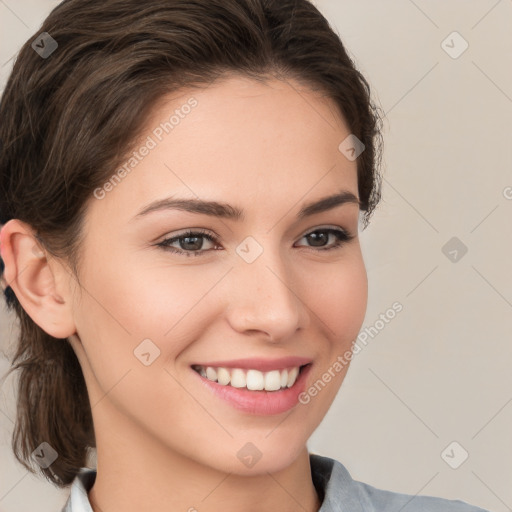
[{"x": 68, "y": 119}]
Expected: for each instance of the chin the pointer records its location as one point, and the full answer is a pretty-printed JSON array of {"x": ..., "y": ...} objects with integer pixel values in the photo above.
[{"x": 255, "y": 459}]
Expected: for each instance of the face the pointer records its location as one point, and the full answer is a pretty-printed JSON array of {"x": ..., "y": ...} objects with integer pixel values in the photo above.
[{"x": 267, "y": 285}]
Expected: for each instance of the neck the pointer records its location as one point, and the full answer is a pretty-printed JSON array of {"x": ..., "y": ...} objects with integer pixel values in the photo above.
[{"x": 135, "y": 472}]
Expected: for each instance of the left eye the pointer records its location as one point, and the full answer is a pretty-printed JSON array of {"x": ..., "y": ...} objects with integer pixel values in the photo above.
[{"x": 191, "y": 242}]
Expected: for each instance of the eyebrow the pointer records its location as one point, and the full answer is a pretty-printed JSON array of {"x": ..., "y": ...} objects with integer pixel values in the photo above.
[{"x": 226, "y": 211}]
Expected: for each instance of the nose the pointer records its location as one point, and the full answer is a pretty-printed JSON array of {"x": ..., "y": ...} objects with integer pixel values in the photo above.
[{"x": 265, "y": 297}]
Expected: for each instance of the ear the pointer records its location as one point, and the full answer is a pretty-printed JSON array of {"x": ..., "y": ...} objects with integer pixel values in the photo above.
[{"x": 40, "y": 283}]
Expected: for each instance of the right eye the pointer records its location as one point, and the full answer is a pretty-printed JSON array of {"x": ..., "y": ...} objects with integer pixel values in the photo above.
[{"x": 188, "y": 238}]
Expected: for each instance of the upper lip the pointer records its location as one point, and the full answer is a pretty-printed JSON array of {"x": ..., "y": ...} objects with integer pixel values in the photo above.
[{"x": 263, "y": 365}]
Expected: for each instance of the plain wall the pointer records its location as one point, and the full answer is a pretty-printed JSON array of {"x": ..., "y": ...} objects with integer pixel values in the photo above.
[{"x": 439, "y": 371}]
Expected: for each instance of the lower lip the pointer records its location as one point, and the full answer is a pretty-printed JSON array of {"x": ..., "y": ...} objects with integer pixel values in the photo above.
[{"x": 260, "y": 402}]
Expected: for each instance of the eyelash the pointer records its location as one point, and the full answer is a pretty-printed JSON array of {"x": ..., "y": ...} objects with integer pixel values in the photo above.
[{"x": 341, "y": 235}]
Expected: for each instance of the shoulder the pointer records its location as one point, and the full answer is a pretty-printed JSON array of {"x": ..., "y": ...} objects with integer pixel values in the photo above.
[
  {"x": 388, "y": 501},
  {"x": 341, "y": 492}
]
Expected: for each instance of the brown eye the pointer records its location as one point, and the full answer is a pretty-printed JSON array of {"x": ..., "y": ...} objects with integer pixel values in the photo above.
[
  {"x": 190, "y": 243},
  {"x": 320, "y": 237}
]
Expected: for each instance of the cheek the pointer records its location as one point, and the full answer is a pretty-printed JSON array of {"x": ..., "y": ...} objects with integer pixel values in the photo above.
[
  {"x": 130, "y": 304},
  {"x": 144, "y": 302},
  {"x": 339, "y": 298},
  {"x": 341, "y": 306}
]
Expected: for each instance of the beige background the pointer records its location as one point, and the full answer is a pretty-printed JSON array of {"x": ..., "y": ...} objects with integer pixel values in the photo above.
[{"x": 440, "y": 370}]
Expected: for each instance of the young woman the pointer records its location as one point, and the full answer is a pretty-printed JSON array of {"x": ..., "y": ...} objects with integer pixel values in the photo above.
[{"x": 182, "y": 185}]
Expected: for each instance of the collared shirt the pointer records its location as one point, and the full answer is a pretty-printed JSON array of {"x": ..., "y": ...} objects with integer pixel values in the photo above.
[{"x": 337, "y": 491}]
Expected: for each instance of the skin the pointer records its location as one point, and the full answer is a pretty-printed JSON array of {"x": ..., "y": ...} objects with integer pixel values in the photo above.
[{"x": 164, "y": 441}]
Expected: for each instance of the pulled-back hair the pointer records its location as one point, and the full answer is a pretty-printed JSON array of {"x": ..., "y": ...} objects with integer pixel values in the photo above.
[{"x": 68, "y": 119}]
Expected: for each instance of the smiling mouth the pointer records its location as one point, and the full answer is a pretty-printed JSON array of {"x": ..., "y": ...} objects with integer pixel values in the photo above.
[{"x": 251, "y": 379}]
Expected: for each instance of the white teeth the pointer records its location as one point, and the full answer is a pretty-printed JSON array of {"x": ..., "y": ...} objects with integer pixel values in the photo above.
[
  {"x": 211, "y": 373},
  {"x": 273, "y": 380},
  {"x": 284, "y": 378},
  {"x": 253, "y": 380},
  {"x": 223, "y": 376},
  {"x": 292, "y": 376},
  {"x": 238, "y": 378}
]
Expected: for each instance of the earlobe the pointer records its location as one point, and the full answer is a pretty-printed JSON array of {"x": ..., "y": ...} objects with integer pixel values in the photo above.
[{"x": 34, "y": 281}]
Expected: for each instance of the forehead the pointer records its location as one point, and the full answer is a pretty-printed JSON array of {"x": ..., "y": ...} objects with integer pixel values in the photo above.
[
  {"x": 239, "y": 141},
  {"x": 237, "y": 113}
]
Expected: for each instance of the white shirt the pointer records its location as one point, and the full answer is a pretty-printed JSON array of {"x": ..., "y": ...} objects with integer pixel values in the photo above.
[{"x": 337, "y": 491}]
